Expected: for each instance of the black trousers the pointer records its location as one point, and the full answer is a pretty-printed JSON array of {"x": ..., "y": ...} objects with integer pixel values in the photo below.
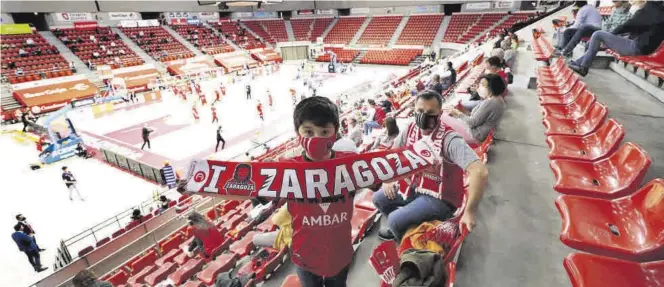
[
  {"x": 248, "y": 95},
  {"x": 35, "y": 260},
  {"x": 25, "y": 126},
  {"x": 146, "y": 141},
  {"x": 220, "y": 140}
]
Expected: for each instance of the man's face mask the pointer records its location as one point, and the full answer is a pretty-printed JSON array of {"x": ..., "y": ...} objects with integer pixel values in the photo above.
[{"x": 426, "y": 121}]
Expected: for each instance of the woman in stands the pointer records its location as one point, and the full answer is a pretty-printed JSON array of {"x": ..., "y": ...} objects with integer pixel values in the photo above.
[
  {"x": 492, "y": 67},
  {"x": 486, "y": 116},
  {"x": 283, "y": 236},
  {"x": 386, "y": 139},
  {"x": 87, "y": 278},
  {"x": 206, "y": 237}
]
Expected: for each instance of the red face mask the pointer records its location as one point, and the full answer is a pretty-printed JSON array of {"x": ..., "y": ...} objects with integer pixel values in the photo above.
[{"x": 317, "y": 147}]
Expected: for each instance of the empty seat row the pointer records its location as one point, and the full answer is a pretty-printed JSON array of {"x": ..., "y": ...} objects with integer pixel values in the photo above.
[
  {"x": 380, "y": 30},
  {"x": 420, "y": 30},
  {"x": 238, "y": 35},
  {"x": 203, "y": 38},
  {"x": 603, "y": 208},
  {"x": 391, "y": 57},
  {"x": 344, "y": 30},
  {"x": 158, "y": 43}
]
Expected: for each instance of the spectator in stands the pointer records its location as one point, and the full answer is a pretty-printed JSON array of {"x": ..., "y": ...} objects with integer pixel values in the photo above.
[
  {"x": 93, "y": 39},
  {"x": 109, "y": 52},
  {"x": 451, "y": 79},
  {"x": 121, "y": 52},
  {"x": 22, "y": 53},
  {"x": 283, "y": 236},
  {"x": 619, "y": 15},
  {"x": 136, "y": 216},
  {"x": 436, "y": 85},
  {"x": 102, "y": 47},
  {"x": 646, "y": 33},
  {"x": 73, "y": 49},
  {"x": 515, "y": 40},
  {"x": 27, "y": 245},
  {"x": 79, "y": 40},
  {"x": 375, "y": 115},
  {"x": 435, "y": 196},
  {"x": 492, "y": 66},
  {"x": 355, "y": 132},
  {"x": 96, "y": 55},
  {"x": 386, "y": 139},
  {"x": 152, "y": 34},
  {"x": 65, "y": 40},
  {"x": 30, "y": 42},
  {"x": 90, "y": 64},
  {"x": 486, "y": 116},
  {"x": 141, "y": 34},
  {"x": 72, "y": 67},
  {"x": 18, "y": 72},
  {"x": 86, "y": 278},
  {"x": 57, "y": 32},
  {"x": 206, "y": 237},
  {"x": 163, "y": 203},
  {"x": 11, "y": 64},
  {"x": 37, "y": 52},
  {"x": 587, "y": 16}
]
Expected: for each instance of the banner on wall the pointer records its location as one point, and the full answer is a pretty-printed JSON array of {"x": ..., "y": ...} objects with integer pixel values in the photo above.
[
  {"x": 9, "y": 29},
  {"x": 264, "y": 14},
  {"x": 128, "y": 24},
  {"x": 52, "y": 94},
  {"x": 178, "y": 15},
  {"x": 242, "y": 14},
  {"x": 325, "y": 11},
  {"x": 71, "y": 17},
  {"x": 504, "y": 4},
  {"x": 82, "y": 25},
  {"x": 359, "y": 10},
  {"x": 305, "y": 12},
  {"x": 427, "y": 9},
  {"x": 478, "y": 6},
  {"x": 208, "y": 15},
  {"x": 123, "y": 16}
]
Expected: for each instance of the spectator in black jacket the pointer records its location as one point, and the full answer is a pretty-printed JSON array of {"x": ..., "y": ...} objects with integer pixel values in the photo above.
[
  {"x": 146, "y": 136},
  {"x": 645, "y": 29},
  {"x": 27, "y": 245}
]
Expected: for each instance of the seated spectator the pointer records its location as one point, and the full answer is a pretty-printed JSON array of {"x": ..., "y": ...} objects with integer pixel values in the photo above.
[
  {"x": 113, "y": 44},
  {"x": 136, "y": 216},
  {"x": 451, "y": 79},
  {"x": 206, "y": 237},
  {"x": 37, "y": 52},
  {"x": 22, "y": 53},
  {"x": 619, "y": 15},
  {"x": 375, "y": 116},
  {"x": 141, "y": 34},
  {"x": 492, "y": 66},
  {"x": 30, "y": 42},
  {"x": 11, "y": 65},
  {"x": 18, "y": 72},
  {"x": 486, "y": 116},
  {"x": 434, "y": 196},
  {"x": 102, "y": 47},
  {"x": 163, "y": 203},
  {"x": 96, "y": 55},
  {"x": 386, "y": 140},
  {"x": 72, "y": 67},
  {"x": 81, "y": 151},
  {"x": 515, "y": 40},
  {"x": 104, "y": 38},
  {"x": 283, "y": 236},
  {"x": 93, "y": 39},
  {"x": 109, "y": 52},
  {"x": 436, "y": 85},
  {"x": 395, "y": 104},
  {"x": 587, "y": 16},
  {"x": 73, "y": 49},
  {"x": 152, "y": 34},
  {"x": 121, "y": 51},
  {"x": 646, "y": 33},
  {"x": 90, "y": 65},
  {"x": 65, "y": 40},
  {"x": 355, "y": 132}
]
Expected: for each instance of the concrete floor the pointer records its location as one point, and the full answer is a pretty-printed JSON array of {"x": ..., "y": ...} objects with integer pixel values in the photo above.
[{"x": 516, "y": 241}]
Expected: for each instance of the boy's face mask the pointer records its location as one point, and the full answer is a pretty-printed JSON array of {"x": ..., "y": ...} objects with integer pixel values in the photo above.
[{"x": 318, "y": 147}]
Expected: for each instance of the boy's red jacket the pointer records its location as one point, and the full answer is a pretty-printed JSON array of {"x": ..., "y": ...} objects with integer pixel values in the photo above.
[{"x": 322, "y": 242}]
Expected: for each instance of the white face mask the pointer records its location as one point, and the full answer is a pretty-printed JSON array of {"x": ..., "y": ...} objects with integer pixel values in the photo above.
[
  {"x": 483, "y": 92},
  {"x": 634, "y": 8}
]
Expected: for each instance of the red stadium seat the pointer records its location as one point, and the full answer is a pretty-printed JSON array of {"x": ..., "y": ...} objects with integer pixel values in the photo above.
[
  {"x": 365, "y": 201},
  {"x": 117, "y": 278},
  {"x": 579, "y": 127},
  {"x": 579, "y": 90},
  {"x": 118, "y": 233},
  {"x": 572, "y": 111},
  {"x": 561, "y": 89},
  {"x": 617, "y": 175},
  {"x": 222, "y": 263},
  {"x": 361, "y": 222},
  {"x": 627, "y": 228},
  {"x": 103, "y": 241},
  {"x": 564, "y": 75},
  {"x": 139, "y": 277},
  {"x": 245, "y": 246},
  {"x": 144, "y": 261},
  {"x": 592, "y": 147},
  {"x": 588, "y": 270},
  {"x": 266, "y": 226},
  {"x": 168, "y": 257},
  {"x": 482, "y": 150},
  {"x": 161, "y": 273},
  {"x": 186, "y": 271},
  {"x": 194, "y": 283},
  {"x": 85, "y": 251}
]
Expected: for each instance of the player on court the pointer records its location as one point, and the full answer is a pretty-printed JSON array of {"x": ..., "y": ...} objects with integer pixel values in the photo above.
[
  {"x": 203, "y": 99},
  {"x": 194, "y": 112},
  {"x": 269, "y": 98},
  {"x": 214, "y": 114},
  {"x": 248, "y": 88},
  {"x": 259, "y": 108},
  {"x": 220, "y": 139},
  {"x": 292, "y": 93}
]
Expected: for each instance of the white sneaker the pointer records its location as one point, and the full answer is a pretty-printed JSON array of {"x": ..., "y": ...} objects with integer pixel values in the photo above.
[{"x": 258, "y": 210}]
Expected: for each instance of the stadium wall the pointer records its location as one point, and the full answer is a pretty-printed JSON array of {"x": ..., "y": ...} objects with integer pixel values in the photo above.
[
  {"x": 6, "y": 18},
  {"x": 104, "y": 18},
  {"x": 48, "y": 6}
]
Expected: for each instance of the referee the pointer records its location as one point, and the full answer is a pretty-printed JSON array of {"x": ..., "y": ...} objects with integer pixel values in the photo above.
[{"x": 220, "y": 139}]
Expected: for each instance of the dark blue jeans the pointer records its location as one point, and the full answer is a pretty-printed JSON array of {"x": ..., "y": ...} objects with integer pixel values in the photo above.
[
  {"x": 406, "y": 213},
  {"x": 583, "y": 31},
  {"x": 622, "y": 46},
  {"x": 308, "y": 279}
]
